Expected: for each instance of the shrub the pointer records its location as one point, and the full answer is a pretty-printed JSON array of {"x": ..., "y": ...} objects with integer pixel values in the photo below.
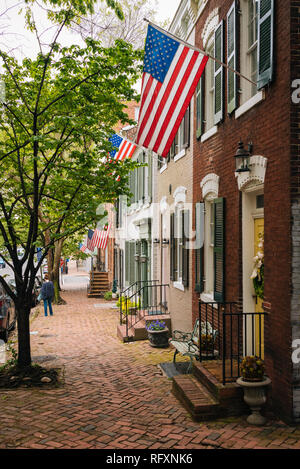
[{"x": 108, "y": 295}]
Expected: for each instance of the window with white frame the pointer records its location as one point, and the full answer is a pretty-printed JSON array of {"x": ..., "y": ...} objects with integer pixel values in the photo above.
[
  {"x": 209, "y": 89},
  {"x": 249, "y": 48},
  {"x": 182, "y": 137},
  {"x": 209, "y": 233}
]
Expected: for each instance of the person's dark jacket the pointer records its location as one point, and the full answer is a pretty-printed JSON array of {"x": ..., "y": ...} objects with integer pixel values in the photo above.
[{"x": 47, "y": 291}]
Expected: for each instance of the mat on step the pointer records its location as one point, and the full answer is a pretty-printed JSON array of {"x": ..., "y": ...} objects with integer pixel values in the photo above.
[{"x": 170, "y": 370}]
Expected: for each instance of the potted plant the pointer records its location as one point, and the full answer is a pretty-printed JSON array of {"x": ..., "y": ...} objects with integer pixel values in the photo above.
[
  {"x": 254, "y": 383},
  {"x": 158, "y": 334},
  {"x": 207, "y": 339}
]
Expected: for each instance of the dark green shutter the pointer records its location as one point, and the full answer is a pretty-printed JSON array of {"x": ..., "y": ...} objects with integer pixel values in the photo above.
[
  {"x": 199, "y": 250},
  {"x": 132, "y": 262},
  {"x": 265, "y": 42},
  {"x": 219, "y": 74},
  {"x": 121, "y": 269},
  {"x": 185, "y": 247},
  {"x": 231, "y": 59},
  {"x": 219, "y": 250},
  {"x": 127, "y": 262},
  {"x": 186, "y": 129},
  {"x": 172, "y": 247},
  {"x": 199, "y": 108},
  {"x": 150, "y": 156}
]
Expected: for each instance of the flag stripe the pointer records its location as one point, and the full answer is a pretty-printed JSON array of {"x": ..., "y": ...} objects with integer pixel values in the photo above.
[
  {"x": 125, "y": 150},
  {"x": 170, "y": 123},
  {"x": 175, "y": 88},
  {"x": 166, "y": 143},
  {"x": 146, "y": 95},
  {"x": 123, "y": 145},
  {"x": 161, "y": 95},
  {"x": 131, "y": 152},
  {"x": 100, "y": 237},
  {"x": 151, "y": 95}
]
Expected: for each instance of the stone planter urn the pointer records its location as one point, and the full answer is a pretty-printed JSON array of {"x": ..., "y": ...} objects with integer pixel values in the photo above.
[
  {"x": 255, "y": 395},
  {"x": 159, "y": 339}
]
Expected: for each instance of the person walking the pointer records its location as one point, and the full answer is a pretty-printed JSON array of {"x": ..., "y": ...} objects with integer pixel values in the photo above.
[{"x": 47, "y": 294}]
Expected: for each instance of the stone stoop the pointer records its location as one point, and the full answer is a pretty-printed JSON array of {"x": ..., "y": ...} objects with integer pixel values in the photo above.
[
  {"x": 99, "y": 284},
  {"x": 205, "y": 397},
  {"x": 138, "y": 331},
  {"x": 195, "y": 397}
]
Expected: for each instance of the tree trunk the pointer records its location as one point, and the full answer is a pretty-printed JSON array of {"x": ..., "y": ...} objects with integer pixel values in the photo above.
[
  {"x": 24, "y": 354},
  {"x": 55, "y": 272}
]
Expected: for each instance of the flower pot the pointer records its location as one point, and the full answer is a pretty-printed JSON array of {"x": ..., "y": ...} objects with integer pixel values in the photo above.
[
  {"x": 159, "y": 339},
  {"x": 255, "y": 395}
]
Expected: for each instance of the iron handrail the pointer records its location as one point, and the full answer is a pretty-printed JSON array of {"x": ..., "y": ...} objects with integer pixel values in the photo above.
[
  {"x": 238, "y": 334},
  {"x": 141, "y": 297}
]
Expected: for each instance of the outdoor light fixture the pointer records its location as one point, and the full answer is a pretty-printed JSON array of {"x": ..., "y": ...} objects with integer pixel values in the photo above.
[
  {"x": 242, "y": 157},
  {"x": 156, "y": 241},
  {"x": 165, "y": 242}
]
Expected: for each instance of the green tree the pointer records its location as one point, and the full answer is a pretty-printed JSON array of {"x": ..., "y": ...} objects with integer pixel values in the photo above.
[{"x": 57, "y": 114}]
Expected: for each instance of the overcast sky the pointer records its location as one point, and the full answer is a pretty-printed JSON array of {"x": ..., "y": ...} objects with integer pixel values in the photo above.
[{"x": 24, "y": 44}]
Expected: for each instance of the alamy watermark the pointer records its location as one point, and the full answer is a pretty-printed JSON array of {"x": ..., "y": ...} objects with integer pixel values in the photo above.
[{"x": 296, "y": 93}]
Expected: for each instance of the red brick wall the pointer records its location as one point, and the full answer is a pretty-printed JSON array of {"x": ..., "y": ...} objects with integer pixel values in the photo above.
[
  {"x": 130, "y": 111},
  {"x": 267, "y": 125},
  {"x": 295, "y": 191}
]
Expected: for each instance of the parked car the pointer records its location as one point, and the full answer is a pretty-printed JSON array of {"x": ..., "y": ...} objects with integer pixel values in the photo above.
[
  {"x": 7, "y": 315},
  {"x": 35, "y": 292}
]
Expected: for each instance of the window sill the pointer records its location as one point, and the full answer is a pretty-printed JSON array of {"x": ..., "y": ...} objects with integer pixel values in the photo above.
[
  {"x": 212, "y": 131},
  {"x": 207, "y": 298},
  {"x": 178, "y": 285},
  {"x": 257, "y": 98},
  {"x": 180, "y": 155},
  {"x": 163, "y": 168}
]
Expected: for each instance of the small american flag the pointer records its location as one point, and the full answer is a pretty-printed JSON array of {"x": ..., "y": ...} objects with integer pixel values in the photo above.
[
  {"x": 100, "y": 237},
  {"x": 172, "y": 71},
  {"x": 89, "y": 241},
  {"x": 125, "y": 148},
  {"x": 82, "y": 247}
]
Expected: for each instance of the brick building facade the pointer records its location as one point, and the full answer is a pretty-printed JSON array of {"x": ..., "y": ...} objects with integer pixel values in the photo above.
[{"x": 261, "y": 118}]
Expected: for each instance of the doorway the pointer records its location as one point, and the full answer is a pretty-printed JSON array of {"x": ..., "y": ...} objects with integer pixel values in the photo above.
[{"x": 259, "y": 322}]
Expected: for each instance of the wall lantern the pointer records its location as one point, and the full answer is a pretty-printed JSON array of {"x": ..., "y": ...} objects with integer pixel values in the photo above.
[
  {"x": 242, "y": 157},
  {"x": 156, "y": 241},
  {"x": 165, "y": 242}
]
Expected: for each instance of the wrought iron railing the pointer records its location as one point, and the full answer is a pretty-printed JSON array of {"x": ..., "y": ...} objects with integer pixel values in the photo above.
[
  {"x": 141, "y": 299},
  {"x": 227, "y": 334}
]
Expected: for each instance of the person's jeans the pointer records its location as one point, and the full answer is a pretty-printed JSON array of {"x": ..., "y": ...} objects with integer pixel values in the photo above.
[{"x": 47, "y": 301}]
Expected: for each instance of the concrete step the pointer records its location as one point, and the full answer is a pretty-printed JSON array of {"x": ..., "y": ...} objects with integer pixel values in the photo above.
[
  {"x": 196, "y": 398},
  {"x": 121, "y": 333},
  {"x": 230, "y": 395},
  {"x": 99, "y": 275}
]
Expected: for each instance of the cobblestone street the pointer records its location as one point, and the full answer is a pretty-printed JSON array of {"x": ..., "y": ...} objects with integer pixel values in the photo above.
[{"x": 114, "y": 395}]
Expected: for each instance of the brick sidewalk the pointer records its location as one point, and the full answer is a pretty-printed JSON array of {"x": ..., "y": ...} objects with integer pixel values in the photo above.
[{"x": 114, "y": 395}]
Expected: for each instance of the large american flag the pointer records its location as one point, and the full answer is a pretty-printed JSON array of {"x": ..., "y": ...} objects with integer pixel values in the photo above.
[
  {"x": 100, "y": 237},
  {"x": 125, "y": 148},
  {"x": 171, "y": 73}
]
